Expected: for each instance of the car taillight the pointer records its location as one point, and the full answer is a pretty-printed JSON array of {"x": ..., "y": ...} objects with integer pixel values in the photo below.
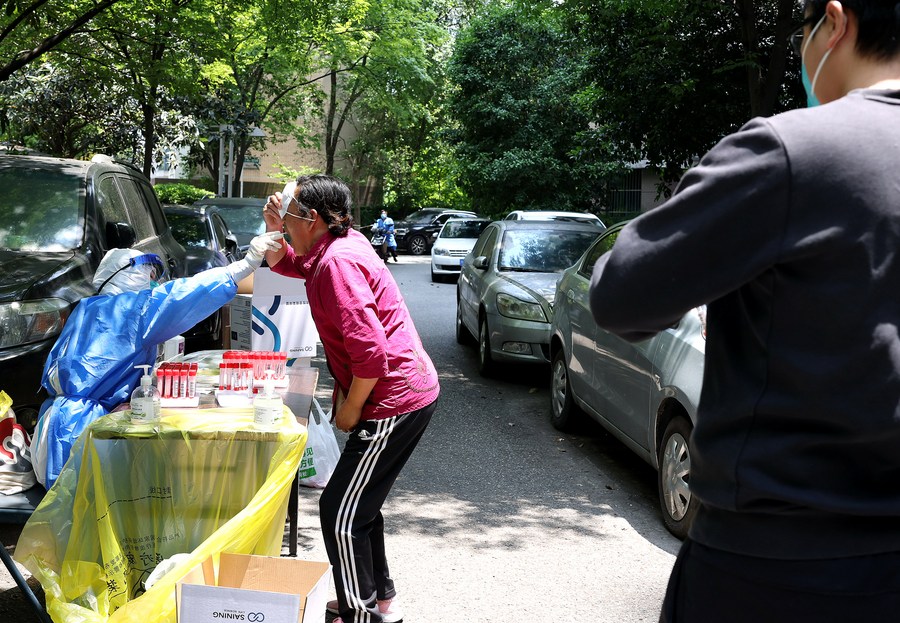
[{"x": 25, "y": 322}]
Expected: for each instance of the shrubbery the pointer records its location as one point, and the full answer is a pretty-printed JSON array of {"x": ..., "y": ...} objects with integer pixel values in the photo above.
[{"x": 181, "y": 193}]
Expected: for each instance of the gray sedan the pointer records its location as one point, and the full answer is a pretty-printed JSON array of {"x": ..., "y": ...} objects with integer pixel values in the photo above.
[
  {"x": 507, "y": 282},
  {"x": 644, "y": 393}
]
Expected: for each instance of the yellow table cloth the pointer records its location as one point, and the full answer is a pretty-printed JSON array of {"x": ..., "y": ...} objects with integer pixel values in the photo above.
[{"x": 131, "y": 495}]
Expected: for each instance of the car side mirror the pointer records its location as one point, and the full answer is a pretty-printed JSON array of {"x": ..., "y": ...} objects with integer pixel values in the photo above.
[
  {"x": 120, "y": 236},
  {"x": 480, "y": 262},
  {"x": 231, "y": 244}
]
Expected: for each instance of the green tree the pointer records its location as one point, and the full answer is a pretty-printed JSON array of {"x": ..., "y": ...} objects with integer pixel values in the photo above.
[
  {"x": 516, "y": 70},
  {"x": 28, "y": 30},
  {"x": 664, "y": 81},
  {"x": 262, "y": 72},
  {"x": 144, "y": 47},
  {"x": 400, "y": 139}
]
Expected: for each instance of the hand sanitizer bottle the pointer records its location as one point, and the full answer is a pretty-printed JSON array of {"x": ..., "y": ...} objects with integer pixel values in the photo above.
[
  {"x": 145, "y": 400},
  {"x": 267, "y": 406}
]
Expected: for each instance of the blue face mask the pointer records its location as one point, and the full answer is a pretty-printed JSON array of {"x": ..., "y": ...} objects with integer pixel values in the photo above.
[
  {"x": 810, "y": 85},
  {"x": 811, "y": 99}
]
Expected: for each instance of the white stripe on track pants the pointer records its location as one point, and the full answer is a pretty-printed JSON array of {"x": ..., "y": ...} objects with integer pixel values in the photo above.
[{"x": 350, "y": 510}]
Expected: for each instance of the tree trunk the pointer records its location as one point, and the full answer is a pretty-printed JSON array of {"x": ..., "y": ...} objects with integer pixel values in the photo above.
[
  {"x": 749, "y": 38},
  {"x": 330, "y": 141},
  {"x": 148, "y": 110},
  {"x": 784, "y": 24}
]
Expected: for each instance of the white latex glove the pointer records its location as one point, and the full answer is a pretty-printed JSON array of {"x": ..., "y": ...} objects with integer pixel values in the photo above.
[
  {"x": 255, "y": 253},
  {"x": 260, "y": 244}
]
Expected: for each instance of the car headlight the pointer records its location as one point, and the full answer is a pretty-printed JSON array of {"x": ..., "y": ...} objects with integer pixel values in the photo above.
[
  {"x": 441, "y": 251},
  {"x": 511, "y": 307},
  {"x": 401, "y": 231},
  {"x": 24, "y": 322}
]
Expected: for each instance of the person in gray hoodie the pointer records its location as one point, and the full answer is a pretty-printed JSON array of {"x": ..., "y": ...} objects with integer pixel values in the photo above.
[{"x": 789, "y": 230}]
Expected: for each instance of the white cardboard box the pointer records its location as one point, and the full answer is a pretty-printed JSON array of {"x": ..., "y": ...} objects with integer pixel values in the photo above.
[
  {"x": 254, "y": 588},
  {"x": 281, "y": 320}
]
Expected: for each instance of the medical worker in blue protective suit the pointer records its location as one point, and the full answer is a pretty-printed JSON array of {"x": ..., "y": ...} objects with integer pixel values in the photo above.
[
  {"x": 91, "y": 368},
  {"x": 385, "y": 225}
]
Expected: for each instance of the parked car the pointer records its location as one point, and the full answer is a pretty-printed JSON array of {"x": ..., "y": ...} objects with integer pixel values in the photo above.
[
  {"x": 243, "y": 215},
  {"x": 507, "y": 284},
  {"x": 416, "y": 233},
  {"x": 208, "y": 243},
  {"x": 547, "y": 215},
  {"x": 453, "y": 243},
  {"x": 58, "y": 217},
  {"x": 645, "y": 393}
]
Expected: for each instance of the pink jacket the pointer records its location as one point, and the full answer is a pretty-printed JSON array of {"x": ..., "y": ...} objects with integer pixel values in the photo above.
[{"x": 364, "y": 325}]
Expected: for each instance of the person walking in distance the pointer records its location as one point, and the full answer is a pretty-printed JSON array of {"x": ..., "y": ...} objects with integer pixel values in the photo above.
[
  {"x": 385, "y": 384},
  {"x": 789, "y": 230},
  {"x": 385, "y": 225}
]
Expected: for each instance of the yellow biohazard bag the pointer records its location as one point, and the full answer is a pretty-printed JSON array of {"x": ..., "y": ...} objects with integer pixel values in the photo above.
[{"x": 200, "y": 482}]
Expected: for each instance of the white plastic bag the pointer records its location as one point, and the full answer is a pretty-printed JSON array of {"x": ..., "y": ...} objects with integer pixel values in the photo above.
[
  {"x": 16, "y": 471},
  {"x": 322, "y": 453}
]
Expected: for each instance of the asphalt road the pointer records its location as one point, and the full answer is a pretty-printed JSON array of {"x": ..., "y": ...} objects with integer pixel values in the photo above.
[{"x": 498, "y": 517}]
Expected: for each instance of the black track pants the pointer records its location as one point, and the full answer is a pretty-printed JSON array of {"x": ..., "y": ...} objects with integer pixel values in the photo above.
[
  {"x": 711, "y": 586},
  {"x": 350, "y": 510}
]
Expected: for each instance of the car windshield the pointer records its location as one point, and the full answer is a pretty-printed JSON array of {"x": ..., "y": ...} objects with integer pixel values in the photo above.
[
  {"x": 244, "y": 220},
  {"x": 463, "y": 229},
  {"x": 576, "y": 219},
  {"x": 542, "y": 250},
  {"x": 189, "y": 231},
  {"x": 40, "y": 210},
  {"x": 420, "y": 217}
]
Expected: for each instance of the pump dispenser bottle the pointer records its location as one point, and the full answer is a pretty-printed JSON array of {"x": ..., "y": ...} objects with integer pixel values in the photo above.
[
  {"x": 145, "y": 400},
  {"x": 267, "y": 406}
]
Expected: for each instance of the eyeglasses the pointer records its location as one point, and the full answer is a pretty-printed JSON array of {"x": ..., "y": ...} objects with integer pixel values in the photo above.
[
  {"x": 302, "y": 218},
  {"x": 796, "y": 37},
  {"x": 291, "y": 199}
]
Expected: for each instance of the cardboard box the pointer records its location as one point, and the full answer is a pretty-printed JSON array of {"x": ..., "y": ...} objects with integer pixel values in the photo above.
[
  {"x": 254, "y": 588},
  {"x": 281, "y": 319}
]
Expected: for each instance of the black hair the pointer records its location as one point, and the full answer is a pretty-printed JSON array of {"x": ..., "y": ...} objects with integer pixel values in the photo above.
[
  {"x": 879, "y": 24},
  {"x": 330, "y": 197}
]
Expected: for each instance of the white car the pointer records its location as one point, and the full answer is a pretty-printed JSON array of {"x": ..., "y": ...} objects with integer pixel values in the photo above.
[
  {"x": 549, "y": 215},
  {"x": 452, "y": 245}
]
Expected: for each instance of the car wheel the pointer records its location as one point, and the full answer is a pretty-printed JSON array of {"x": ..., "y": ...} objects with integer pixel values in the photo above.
[
  {"x": 418, "y": 245},
  {"x": 485, "y": 362},
  {"x": 678, "y": 505},
  {"x": 462, "y": 333},
  {"x": 564, "y": 413}
]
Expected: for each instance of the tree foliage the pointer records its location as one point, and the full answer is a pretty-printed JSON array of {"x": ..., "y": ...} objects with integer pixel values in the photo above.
[
  {"x": 29, "y": 29},
  {"x": 516, "y": 71},
  {"x": 665, "y": 81},
  {"x": 185, "y": 194},
  {"x": 398, "y": 125}
]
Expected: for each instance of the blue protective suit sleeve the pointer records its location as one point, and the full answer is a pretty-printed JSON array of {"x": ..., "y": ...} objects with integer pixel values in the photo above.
[{"x": 91, "y": 368}]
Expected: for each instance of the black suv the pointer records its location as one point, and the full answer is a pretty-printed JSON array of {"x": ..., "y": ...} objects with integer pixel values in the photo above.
[
  {"x": 243, "y": 215},
  {"x": 208, "y": 243},
  {"x": 416, "y": 233},
  {"x": 58, "y": 217}
]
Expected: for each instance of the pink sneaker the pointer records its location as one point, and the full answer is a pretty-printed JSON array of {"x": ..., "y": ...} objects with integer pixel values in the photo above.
[{"x": 388, "y": 608}]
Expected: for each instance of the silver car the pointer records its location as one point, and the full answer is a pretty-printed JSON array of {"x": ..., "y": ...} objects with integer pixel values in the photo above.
[
  {"x": 505, "y": 291},
  {"x": 645, "y": 393}
]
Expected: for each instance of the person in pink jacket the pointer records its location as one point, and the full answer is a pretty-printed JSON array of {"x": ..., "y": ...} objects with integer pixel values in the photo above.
[{"x": 386, "y": 386}]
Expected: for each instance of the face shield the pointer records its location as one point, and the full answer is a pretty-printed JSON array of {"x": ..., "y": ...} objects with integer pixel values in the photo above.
[{"x": 127, "y": 270}]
